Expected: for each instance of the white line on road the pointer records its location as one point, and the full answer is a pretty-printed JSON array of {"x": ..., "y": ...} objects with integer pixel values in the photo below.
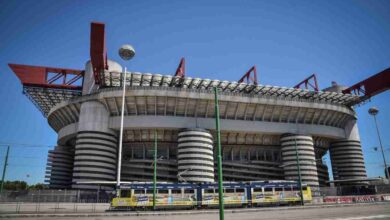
[{"x": 360, "y": 218}]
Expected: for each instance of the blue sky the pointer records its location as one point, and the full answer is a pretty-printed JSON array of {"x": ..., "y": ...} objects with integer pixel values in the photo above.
[{"x": 345, "y": 41}]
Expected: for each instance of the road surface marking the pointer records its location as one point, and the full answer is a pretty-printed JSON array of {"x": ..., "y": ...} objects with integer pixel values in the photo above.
[{"x": 360, "y": 217}]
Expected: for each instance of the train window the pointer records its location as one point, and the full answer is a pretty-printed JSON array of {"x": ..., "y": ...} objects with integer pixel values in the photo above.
[
  {"x": 240, "y": 190},
  {"x": 125, "y": 193},
  {"x": 149, "y": 191},
  {"x": 189, "y": 191},
  {"x": 278, "y": 189},
  {"x": 257, "y": 190},
  {"x": 295, "y": 189},
  {"x": 209, "y": 190},
  {"x": 163, "y": 191},
  {"x": 139, "y": 191},
  {"x": 267, "y": 189},
  {"x": 176, "y": 191},
  {"x": 229, "y": 190}
]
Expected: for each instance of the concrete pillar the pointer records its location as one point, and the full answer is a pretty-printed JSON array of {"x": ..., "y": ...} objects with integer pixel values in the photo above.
[
  {"x": 96, "y": 147},
  {"x": 195, "y": 155},
  {"x": 60, "y": 167},
  {"x": 307, "y": 160},
  {"x": 89, "y": 85},
  {"x": 347, "y": 156}
]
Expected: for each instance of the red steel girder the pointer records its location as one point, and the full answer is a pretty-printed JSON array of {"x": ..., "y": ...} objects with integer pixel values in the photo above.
[
  {"x": 248, "y": 78},
  {"x": 40, "y": 76},
  {"x": 181, "y": 70},
  {"x": 306, "y": 82},
  {"x": 371, "y": 86},
  {"x": 98, "y": 50}
]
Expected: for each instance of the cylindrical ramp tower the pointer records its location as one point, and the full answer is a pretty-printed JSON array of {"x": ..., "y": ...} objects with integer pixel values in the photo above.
[
  {"x": 60, "y": 167},
  {"x": 347, "y": 160},
  {"x": 96, "y": 148},
  {"x": 307, "y": 162},
  {"x": 195, "y": 156}
]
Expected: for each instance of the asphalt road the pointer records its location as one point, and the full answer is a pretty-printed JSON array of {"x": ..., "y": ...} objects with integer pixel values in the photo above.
[{"x": 357, "y": 212}]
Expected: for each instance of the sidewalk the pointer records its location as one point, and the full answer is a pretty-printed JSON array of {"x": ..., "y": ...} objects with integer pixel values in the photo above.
[{"x": 186, "y": 212}]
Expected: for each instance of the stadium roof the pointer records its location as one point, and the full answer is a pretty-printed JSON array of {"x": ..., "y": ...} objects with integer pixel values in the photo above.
[
  {"x": 45, "y": 93},
  {"x": 47, "y": 97}
]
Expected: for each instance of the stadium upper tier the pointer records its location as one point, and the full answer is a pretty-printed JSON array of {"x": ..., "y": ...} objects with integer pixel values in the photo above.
[
  {"x": 113, "y": 79},
  {"x": 158, "y": 95},
  {"x": 46, "y": 99}
]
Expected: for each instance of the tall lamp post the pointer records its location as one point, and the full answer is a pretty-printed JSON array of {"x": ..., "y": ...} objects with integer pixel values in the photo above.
[
  {"x": 374, "y": 111},
  {"x": 220, "y": 179},
  {"x": 155, "y": 170},
  {"x": 126, "y": 52}
]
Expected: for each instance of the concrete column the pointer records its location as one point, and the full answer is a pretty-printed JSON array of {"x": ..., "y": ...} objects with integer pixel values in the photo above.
[
  {"x": 60, "y": 167},
  {"x": 307, "y": 160},
  {"x": 195, "y": 155},
  {"x": 89, "y": 85},
  {"x": 96, "y": 147},
  {"x": 347, "y": 156}
]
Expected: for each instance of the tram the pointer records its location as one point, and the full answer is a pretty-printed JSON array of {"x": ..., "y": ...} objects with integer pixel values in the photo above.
[{"x": 205, "y": 195}]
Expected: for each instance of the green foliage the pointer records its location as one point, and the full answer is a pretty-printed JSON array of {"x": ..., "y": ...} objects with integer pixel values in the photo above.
[
  {"x": 21, "y": 185},
  {"x": 38, "y": 186},
  {"x": 15, "y": 185}
]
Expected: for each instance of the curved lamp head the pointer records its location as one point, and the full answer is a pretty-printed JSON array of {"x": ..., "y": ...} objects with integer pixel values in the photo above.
[
  {"x": 126, "y": 52},
  {"x": 373, "y": 111}
]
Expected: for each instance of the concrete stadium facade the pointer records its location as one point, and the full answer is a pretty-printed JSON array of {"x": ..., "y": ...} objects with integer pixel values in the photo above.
[{"x": 261, "y": 127}]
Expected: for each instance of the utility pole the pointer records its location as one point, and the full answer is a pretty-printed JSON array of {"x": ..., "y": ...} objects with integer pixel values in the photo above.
[
  {"x": 220, "y": 179},
  {"x": 4, "y": 170},
  {"x": 155, "y": 170},
  {"x": 299, "y": 171}
]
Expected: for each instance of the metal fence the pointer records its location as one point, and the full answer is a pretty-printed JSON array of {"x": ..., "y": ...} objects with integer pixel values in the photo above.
[
  {"x": 57, "y": 196},
  {"x": 354, "y": 190},
  {"x": 77, "y": 201}
]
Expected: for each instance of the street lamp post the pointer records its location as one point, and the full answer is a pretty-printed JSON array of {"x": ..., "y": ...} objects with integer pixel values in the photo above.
[
  {"x": 374, "y": 111},
  {"x": 155, "y": 170},
  {"x": 219, "y": 156},
  {"x": 126, "y": 52}
]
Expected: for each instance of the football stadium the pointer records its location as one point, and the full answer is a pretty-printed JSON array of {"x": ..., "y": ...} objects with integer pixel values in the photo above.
[{"x": 267, "y": 132}]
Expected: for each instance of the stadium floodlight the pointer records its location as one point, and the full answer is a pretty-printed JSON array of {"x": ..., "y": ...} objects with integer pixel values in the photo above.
[
  {"x": 126, "y": 52},
  {"x": 374, "y": 111}
]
